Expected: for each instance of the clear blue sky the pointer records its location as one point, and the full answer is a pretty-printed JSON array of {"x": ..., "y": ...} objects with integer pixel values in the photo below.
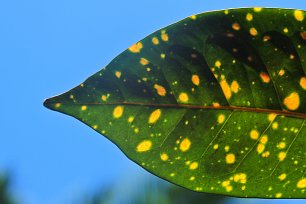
[{"x": 48, "y": 47}]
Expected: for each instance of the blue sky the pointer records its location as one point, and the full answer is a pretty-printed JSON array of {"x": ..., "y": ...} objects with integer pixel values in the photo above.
[{"x": 48, "y": 47}]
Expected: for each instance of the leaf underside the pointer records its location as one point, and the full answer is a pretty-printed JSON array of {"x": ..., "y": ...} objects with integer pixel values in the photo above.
[{"x": 214, "y": 103}]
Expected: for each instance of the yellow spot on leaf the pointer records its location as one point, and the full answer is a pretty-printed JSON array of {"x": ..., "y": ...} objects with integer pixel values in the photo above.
[
  {"x": 260, "y": 148},
  {"x": 281, "y": 72},
  {"x": 265, "y": 154},
  {"x": 254, "y": 134},
  {"x": 264, "y": 139},
  {"x": 278, "y": 195},
  {"x": 118, "y": 74},
  {"x": 130, "y": 119},
  {"x": 154, "y": 116},
  {"x": 226, "y": 183},
  {"x": 193, "y": 17},
  {"x": 155, "y": 41},
  {"x": 216, "y": 146},
  {"x": 230, "y": 158},
  {"x": 195, "y": 79},
  {"x": 236, "y": 26},
  {"x": 136, "y": 130},
  {"x": 236, "y": 177},
  {"x": 164, "y": 157},
  {"x": 235, "y": 86},
  {"x": 57, "y": 105},
  {"x": 144, "y": 146},
  {"x": 185, "y": 145},
  {"x": 275, "y": 125},
  {"x": 160, "y": 90},
  {"x": 215, "y": 104},
  {"x": 266, "y": 38},
  {"x": 240, "y": 177},
  {"x": 243, "y": 177},
  {"x": 164, "y": 36},
  {"x": 228, "y": 188},
  {"x": 265, "y": 77},
  {"x": 226, "y": 89},
  {"x": 257, "y": 9},
  {"x": 292, "y": 102},
  {"x": 118, "y": 111},
  {"x": 218, "y": 64},
  {"x": 303, "y": 82},
  {"x": 183, "y": 97},
  {"x": 281, "y": 145},
  {"x": 282, "y": 156},
  {"x": 299, "y": 15},
  {"x": 221, "y": 118},
  {"x": 301, "y": 183},
  {"x": 282, "y": 177},
  {"x": 271, "y": 117},
  {"x": 103, "y": 97},
  {"x": 144, "y": 61},
  {"x": 253, "y": 31},
  {"x": 84, "y": 108},
  {"x": 193, "y": 165},
  {"x": 136, "y": 47},
  {"x": 249, "y": 17}
]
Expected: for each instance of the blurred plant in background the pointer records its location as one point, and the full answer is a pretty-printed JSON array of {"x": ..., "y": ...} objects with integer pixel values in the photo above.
[
  {"x": 145, "y": 189},
  {"x": 5, "y": 198},
  {"x": 152, "y": 190}
]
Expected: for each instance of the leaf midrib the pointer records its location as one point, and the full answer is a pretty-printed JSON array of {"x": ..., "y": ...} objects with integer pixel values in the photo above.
[{"x": 190, "y": 106}]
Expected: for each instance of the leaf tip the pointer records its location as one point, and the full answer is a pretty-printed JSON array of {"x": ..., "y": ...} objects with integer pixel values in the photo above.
[{"x": 50, "y": 103}]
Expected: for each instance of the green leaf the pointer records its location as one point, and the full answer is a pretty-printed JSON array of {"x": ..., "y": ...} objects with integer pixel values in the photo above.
[{"x": 214, "y": 103}]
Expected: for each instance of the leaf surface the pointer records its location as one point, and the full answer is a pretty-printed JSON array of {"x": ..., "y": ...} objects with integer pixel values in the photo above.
[{"x": 214, "y": 103}]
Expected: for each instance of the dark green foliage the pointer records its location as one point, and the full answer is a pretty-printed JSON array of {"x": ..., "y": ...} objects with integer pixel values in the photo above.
[
  {"x": 215, "y": 103},
  {"x": 4, "y": 195}
]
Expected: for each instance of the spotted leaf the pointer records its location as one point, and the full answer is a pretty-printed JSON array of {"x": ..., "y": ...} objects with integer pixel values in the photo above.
[{"x": 214, "y": 103}]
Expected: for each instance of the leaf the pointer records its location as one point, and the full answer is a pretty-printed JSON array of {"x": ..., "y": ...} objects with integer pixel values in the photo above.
[{"x": 214, "y": 103}]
